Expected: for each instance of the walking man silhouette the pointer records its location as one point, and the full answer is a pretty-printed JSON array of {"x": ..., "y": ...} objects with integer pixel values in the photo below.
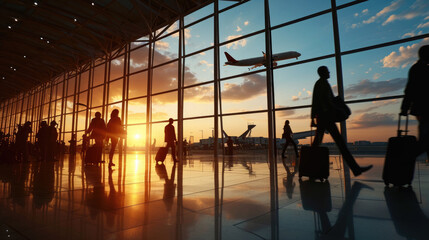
[
  {"x": 322, "y": 116},
  {"x": 287, "y": 134},
  {"x": 170, "y": 138},
  {"x": 416, "y": 97}
]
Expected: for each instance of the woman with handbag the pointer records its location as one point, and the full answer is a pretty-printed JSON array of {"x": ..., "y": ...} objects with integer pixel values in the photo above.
[{"x": 325, "y": 111}]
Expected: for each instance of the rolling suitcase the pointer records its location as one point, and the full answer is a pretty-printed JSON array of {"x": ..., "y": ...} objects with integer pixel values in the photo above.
[
  {"x": 93, "y": 155},
  {"x": 314, "y": 162},
  {"x": 400, "y": 158},
  {"x": 161, "y": 154}
]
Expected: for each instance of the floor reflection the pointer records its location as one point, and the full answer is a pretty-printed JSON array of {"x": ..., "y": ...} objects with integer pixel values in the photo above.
[{"x": 198, "y": 198}]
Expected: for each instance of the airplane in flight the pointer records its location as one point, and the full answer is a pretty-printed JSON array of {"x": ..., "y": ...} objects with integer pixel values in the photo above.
[{"x": 260, "y": 61}]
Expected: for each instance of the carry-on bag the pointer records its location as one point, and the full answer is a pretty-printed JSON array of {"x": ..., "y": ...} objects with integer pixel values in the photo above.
[
  {"x": 161, "y": 154},
  {"x": 93, "y": 155},
  {"x": 314, "y": 162},
  {"x": 400, "y": 158}
]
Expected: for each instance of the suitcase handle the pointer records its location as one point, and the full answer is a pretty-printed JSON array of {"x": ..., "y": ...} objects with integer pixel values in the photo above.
[{"x": 399, "y": 131}]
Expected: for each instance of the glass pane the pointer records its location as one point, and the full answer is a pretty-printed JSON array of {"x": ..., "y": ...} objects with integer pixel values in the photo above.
[
  {"x": 137, "y": 111},
  {"x": 317, "y": 42},
  {"x": 199, "y": 101},
  {"x": 99, "y": 75},
  {"x": 199, "y": 135},
  {"x": 199, "y": 36},
  {"x": 60, "y": 90},
  {"x": 69, "y": 104},
  {"x": 139, "y": 59},
  {"x": 84, "y": 79},
  {"x": 69, "y": 122},
  {"x": 241, "y": 20},
  {"x": 164, "y": 106},
  {"x": 380, "y": 72},
  {"x": 199, "y": 68},
  {"x": 166, "y": 49},
  {"x": 81, "y": 104},
  {"x": 58, "y": 107},
  {"x": 137, "y": 85},
  {"x": 117, "y": 68},
  {"x": 70, "y": 86},
  {"x": 293, "y": 86},
  {"x": 282, "y": 11},
  {"x": 200, "y": 13},
  {"x": 373, "y": 22},
  {"x": 81, "y": 120},
  {"x": 165, "y": 78},
  {"x": 243, "y": 94},
  {"x": 115, "y": 90},
  {"x": 136, "y": 137},
  {"x": 242, "y": 49},
  {"x": 97, "y": 96}
]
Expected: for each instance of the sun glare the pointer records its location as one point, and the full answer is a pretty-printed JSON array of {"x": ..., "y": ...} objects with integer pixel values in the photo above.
[{"x": 137, "y": 136}]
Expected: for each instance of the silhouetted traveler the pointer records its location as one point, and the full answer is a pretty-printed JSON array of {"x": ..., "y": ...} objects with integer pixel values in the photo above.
[
  {"x": 230, "y": 146},
  {"x": 322, "y": 116},
  {"x": 416, "y": 97},
  {"x": 52, "y": 140},
  {"x": 170, "y": 138},
  {"x": 115, "y": 131},
  {"x": 21, "y": 140},
  {"x": 185, "y": 147},
  {"x": 97, "y": 128},
  {"x": 42, "y": 139},
  {"x": 73, "y": 142},
  {"x": 85, "y": 143},
  {"x": 287, "y": 134}
]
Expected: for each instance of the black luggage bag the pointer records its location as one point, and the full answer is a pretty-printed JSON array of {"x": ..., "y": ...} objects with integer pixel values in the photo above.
[
  {"x": 161, "y": 154},
  {"x": 314, "y": 162},
  {"x": 400, "y": 158},
  {"x": 93, "y": 155}
]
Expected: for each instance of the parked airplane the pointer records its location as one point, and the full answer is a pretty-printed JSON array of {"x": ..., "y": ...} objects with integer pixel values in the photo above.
[{"x": 260, "y": 61}]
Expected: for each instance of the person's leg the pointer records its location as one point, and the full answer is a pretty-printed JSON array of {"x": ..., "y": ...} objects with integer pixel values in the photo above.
[
  {"x": 339, "y": 140},
  {"x": 423, "y": 135},
  {"x": 285, "y": 147},
  {"x": 112, "y": 150},
  {"x": 173, "y": 151},
  {"x": 294, "y": 145},
  {"x": 318, "y": 137},
  {"x": 99, "y": 146}
]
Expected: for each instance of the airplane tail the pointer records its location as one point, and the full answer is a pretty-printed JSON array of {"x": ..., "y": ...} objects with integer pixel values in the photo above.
[{"x": 230, "y": 58}]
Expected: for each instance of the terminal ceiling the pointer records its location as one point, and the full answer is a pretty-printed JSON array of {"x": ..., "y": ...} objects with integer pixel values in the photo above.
[{"x": 41, "y": 39}]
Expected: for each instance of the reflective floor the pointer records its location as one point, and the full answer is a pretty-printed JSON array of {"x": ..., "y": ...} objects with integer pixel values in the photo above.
[{"x": 197, "y": 199}]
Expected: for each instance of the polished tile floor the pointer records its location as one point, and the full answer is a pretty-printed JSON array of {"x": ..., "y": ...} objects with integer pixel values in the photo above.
[{"x": 197, "y": 199}]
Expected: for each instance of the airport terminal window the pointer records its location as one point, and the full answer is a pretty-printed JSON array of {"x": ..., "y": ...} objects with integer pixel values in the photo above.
[
  {"x": 198, "y": 101},
  {"x": 166, "y": 49},
  {"x": 137, "y": 111},
  {"x": 115, "y": 91},
  {"x": 165, "y": 78},
  {"x": 378, "y": 73},
  {"x": 139, "y": 59},
  {"x": 137, "y": 84},
  {"x": 250, "y": 47},
  {"x": 247, "y": 93},
  {"x": 164, "y": 106},
  {"x": 99, "y": 75},
  {"x": 374, "y": 22},
  {"x": 199, "y": 68},
  {"x": 97, "y": 96},
  {"x": 199, "y": 36},
  {"x": 71, "y": 86},
  {"x": 198, "y": 14},
  {"x": 282, "y": 11},
  {"x": 293, "y": 86},
  {"x": 84, "y": 79},
  {"x": 117, "y": 68}
]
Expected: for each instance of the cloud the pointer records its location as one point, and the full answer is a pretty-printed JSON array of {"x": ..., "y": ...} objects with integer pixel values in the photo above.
[
  {"x": 354, "y": 25},
  {"x": 204, "y": 62},
  {"x": 236, "y": 44},
  {"x": 365, "y": 11},
  {"x": 375, "y": 105},
  {"x": 366, "y": 86},
  {"x": 238, "y": 29},
  {"x": 369, "y": 120},
  {"x": 410, "y": 34},
  {"x": 393, "y": 6},
  {"x": 423, "y": 25},
  {"x": 252, "y": 86},
  {"x": 417, "y": 9},
  {"x": 161, "y": 45},
  {"x": 406, "y": 16},
  {"x": 376, "y": 76},
  {"x": 246, "y": 23},
  {"x": 405, "y": 56}
]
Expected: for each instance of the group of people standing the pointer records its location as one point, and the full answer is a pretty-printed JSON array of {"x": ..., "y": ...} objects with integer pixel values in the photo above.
[
  {"x": 47, "y": 140},
  {"x": 99, "y": 131}
]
